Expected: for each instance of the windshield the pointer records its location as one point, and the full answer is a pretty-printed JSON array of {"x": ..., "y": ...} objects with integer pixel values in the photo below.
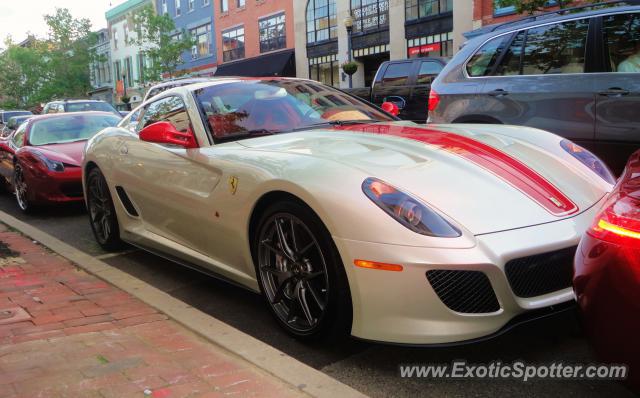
[
  {"x": 69, "y": 128},
  {"x": 7, "y": 115},
  {"x": 89, "y": 106},
  {"x": 247, "y": 108}
]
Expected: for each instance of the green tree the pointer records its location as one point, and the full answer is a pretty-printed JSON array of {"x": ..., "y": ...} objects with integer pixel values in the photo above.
[
  {"x": 54, "y": 67},
  {"x": 159, "y": 43},
  {"x": 22, "y": 74},
  {"x": 69, "y": 55}
]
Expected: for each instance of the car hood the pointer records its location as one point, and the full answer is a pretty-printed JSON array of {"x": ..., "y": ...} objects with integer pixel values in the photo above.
[
  {"x": 70, "y": 154},
  {"x": 484, "y": 181}
]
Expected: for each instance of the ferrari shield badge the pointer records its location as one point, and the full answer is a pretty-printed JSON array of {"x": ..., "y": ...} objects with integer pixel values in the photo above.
[{"x": 233, "y": 184}]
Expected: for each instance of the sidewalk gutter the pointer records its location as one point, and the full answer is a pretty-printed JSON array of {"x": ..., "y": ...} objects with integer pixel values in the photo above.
[{"x": 264, "y": 356}]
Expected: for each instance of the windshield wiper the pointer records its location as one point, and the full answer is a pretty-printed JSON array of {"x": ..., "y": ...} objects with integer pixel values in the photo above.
[{"x": 339, "y": 123}]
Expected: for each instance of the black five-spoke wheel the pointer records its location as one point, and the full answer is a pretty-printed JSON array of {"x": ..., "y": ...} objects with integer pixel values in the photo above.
[
  {"x": 102, "y": 215},
  {"x": 300, "y": 273}
]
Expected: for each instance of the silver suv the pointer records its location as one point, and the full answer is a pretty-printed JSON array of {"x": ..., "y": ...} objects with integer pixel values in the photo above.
[{"x": 575, "y": 73}]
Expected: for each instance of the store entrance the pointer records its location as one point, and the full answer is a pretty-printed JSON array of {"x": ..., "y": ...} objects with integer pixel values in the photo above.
[{"x": 371, "y": 65}]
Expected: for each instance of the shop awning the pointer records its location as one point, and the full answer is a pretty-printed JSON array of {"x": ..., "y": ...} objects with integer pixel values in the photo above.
[{"x": 281, "y": 63}]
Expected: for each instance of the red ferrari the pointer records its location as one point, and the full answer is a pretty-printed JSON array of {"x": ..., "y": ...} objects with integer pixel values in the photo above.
[
  {"x": 41, "y": 159},
  {"x": 607, "y": 275}
]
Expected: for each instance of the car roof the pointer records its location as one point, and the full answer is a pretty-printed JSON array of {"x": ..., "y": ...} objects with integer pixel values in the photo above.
[
  {"x": 36, "y": 118},
  {"x": 226, "y": 79},
  {"x": 183, "y": 81},
  {"x": 487, "y": 32},
  {"x": 74, "y": 100}
]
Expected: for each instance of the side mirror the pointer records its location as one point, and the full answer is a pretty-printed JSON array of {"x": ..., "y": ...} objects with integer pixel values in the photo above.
[
  {"x": 166, "y": 133},
  {"x": 391, "y": 108}
]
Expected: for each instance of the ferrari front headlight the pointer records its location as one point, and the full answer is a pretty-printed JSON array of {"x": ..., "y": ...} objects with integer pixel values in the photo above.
[
  {"x": 408, "y": 211},
  {"x": 588, "y": 159}
]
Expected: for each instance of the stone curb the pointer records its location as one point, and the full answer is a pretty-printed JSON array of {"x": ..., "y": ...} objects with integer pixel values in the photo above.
[{"x": 269, "y": 359}]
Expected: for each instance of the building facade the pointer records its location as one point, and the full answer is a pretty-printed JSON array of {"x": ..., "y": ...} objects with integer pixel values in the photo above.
[
  {"x": 101, "y": 75},
  {"x": 196, "y": 18},
  {"x": 255, "y": 37},
  {"x": 381, "y": 30},
  {"x": 489, "y": 12},
  {"x": 127, "y": 61}
]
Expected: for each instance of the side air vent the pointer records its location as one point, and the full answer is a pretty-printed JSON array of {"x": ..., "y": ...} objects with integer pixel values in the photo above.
[
  {"x": 468, "y": 292},
  {"x": 126, "y": 202}
]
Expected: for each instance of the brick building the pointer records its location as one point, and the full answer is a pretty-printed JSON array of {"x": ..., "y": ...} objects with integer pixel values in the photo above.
[
  {"x": 255, "y": 37},
  {"x": 487, "y": 12}
]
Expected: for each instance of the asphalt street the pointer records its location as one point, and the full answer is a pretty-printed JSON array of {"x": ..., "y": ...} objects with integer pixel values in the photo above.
[{"x": 370, "y": 368}]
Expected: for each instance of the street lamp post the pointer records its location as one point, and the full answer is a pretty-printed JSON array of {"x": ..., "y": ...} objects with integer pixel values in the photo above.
[{"x": 348, "y": 23}]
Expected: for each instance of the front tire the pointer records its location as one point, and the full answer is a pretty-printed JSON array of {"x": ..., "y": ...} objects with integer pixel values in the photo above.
[
  {"x": 300, "y": 273},
  {"x": 21, "y": 190},
  {"x": 102, "y": 213}
]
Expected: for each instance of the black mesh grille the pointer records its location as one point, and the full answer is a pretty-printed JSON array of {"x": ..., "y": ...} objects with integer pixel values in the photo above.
[
  {"x": 464, "y": 291},
  {"x": 541, "y": 274}
]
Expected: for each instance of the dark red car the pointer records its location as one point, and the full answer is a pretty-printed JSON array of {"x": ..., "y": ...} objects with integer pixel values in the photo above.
[
  {"x": 41, "y": 159},
  {"x": 607, "y": 275}
]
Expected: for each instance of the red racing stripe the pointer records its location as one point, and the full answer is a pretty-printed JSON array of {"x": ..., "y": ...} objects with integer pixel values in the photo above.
[{"x": 507, "y": 168}]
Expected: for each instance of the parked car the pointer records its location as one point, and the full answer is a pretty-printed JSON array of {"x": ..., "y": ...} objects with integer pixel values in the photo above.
[
  {"x": 346, "y": 219},
  {"x": 406, "y": 84},
  {"x": 41, "y": 160},
  {"x": 572, "y": 73},
  {"x": 12, "y": 124},
  {"x": 78, "y": 105},
  {"x": 164, "y": 86},
  {"x": 6, "y": 115},
  {"x": 607, "y": 275}
]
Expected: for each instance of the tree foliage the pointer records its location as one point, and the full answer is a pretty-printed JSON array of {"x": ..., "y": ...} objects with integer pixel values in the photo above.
[
  {"x": 160, "y": 44},
  {"x": 55, "y": 67},
  {"x": 22, "y": 73}
]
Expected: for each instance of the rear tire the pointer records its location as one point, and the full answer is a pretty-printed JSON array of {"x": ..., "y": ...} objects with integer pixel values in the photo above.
[
  {"x": 102, "y": 213},
  {"x": 300, "y": 273}
]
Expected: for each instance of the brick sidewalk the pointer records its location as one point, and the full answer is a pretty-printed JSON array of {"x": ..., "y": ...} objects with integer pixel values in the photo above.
[{"x": 77, "y": 336}]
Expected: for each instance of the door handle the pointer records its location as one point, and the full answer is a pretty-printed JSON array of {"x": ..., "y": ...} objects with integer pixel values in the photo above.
[
  {"x": 614, "y": 92},
  {"x": 498, "y": 93}
]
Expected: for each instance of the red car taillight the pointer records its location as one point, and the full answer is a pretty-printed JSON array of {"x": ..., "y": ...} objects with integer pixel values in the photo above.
[
  {"x": 619, "y": 221},
  {"x": 434, "y": 100}
]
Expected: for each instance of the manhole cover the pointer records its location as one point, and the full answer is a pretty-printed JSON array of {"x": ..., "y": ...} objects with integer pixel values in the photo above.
[{"x": 13, "y": 315}]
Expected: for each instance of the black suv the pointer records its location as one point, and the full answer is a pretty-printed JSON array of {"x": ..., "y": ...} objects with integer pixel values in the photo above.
[{"x": 575, "y": 73}]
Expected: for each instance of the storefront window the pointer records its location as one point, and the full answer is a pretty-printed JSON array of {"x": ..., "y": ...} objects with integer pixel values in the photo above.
[
  {"x": 416, "y": 9},
  {"x": 233, "y": 44},
  {"x": 369, "y": 14},
  {"x": 431, "y": 46},
  {"x": 322, "y": 20},
  {"x": 325, "y": 70},
  {"x": 273, "y": 33}
]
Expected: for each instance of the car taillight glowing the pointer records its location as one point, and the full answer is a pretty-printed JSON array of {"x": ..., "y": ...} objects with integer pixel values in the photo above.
[
  {"x": 619, "y": 221},
  {"x": 434, "y": 100}
]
